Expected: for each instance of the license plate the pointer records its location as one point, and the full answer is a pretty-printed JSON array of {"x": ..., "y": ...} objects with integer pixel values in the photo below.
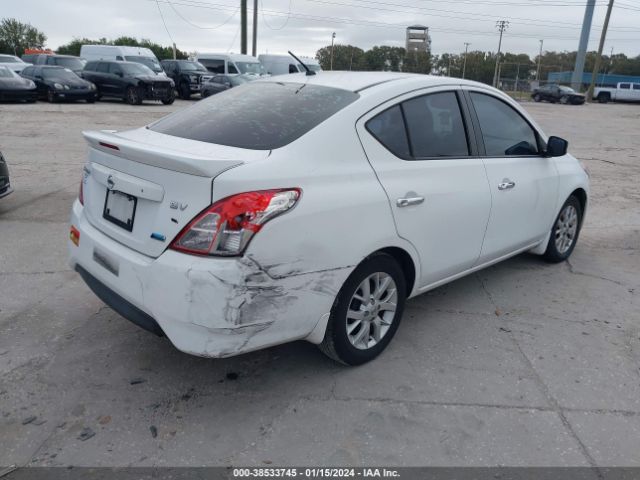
[{"x": 120, "y": 208}]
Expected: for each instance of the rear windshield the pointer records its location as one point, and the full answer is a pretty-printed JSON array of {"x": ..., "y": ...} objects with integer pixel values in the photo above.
[{"x": 257, "y": 115}]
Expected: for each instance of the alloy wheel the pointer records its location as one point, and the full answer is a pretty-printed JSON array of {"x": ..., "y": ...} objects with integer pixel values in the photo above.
[
  {"x": 566, "y": 229},
  {"x": 372, "y": 310}
]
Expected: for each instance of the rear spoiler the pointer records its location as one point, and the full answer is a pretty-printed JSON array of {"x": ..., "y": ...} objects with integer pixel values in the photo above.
[{"x": 161, "y": 157}]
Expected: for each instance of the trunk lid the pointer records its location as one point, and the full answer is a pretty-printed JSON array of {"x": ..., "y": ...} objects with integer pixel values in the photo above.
[{"x": 158, "y": 182}]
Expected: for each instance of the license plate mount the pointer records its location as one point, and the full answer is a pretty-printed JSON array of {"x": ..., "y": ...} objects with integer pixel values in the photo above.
[{"x": 120, "y": 209}]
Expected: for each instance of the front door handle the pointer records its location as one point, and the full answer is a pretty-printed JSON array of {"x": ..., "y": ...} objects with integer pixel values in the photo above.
[
  {"x": 405, "y": 202},
  {"x": 506, "y": 184}
]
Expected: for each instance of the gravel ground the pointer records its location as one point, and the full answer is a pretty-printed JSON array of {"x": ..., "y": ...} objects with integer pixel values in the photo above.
[{"x": 524, "y": 363}]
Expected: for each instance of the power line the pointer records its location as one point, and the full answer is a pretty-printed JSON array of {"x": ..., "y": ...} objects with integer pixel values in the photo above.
[
  {"x": 366, "y": 23},
  {"x": 285, "y": 22},
  {"x": 199, "y": 26},
  {"x": 164, "y": 23}
]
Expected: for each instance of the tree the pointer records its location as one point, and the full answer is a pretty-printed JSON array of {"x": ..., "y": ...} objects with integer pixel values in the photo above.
[
  {"x": 384, "y": 58},
  {"x": 16, "y": 36},
  {"x": 417, "y": 62},
  {"x": 345, "y": 57}
]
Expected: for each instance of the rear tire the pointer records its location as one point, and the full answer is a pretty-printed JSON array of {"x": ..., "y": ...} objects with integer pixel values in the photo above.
[
  {"x": 565, "y": 231},
  {"x": 367, "y": 311},
  {"x": 603, "y": 98},
  {"x": 536, "y": 98}
]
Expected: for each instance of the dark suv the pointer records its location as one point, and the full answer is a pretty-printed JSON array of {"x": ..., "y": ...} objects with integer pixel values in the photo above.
[
  {"x": 188, "y": 75},
  {"x": 129, "y": 81},
  {"x": 75, "y": 64}
]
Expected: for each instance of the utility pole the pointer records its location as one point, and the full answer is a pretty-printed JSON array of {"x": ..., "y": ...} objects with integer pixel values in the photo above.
[
  {"x": 254, "y": 45},
  {"x": 333, "y": 36},
  {"x": 539, "y": 60},
  {"x": 243, "y": 27},
  {"x": 578, "y": 69},
  {"x": 174, "y": 50},
  {"x": 449, "y": 67},
  {"x": 502, "y": 25},
  {"x": 603, "y": 37},
  {"x": 464, "y": 64}
]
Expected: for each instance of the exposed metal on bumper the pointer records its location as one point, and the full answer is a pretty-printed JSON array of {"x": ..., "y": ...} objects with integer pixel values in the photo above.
[{"x": 211, "y": 307}]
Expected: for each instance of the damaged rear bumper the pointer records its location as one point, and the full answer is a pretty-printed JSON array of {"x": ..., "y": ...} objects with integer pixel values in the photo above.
[{"x": 211, "y": 307}]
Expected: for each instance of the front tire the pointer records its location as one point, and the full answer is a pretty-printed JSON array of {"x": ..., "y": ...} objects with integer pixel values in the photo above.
[
  {"x": 133, "y": 96},
  {"x": 536, "y": 98},
  {"x": 565, "y": 231},
  {"x": 564, "y": 100},
  {"x": 185, "y": 91},
  {"x": 367, "y": 311}
]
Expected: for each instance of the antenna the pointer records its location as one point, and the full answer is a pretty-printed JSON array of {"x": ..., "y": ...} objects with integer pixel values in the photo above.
[{"x": 309, "y": 71}]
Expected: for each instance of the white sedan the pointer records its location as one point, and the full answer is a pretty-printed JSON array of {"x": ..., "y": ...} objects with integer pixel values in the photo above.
[{"x": 313, "y": 207}]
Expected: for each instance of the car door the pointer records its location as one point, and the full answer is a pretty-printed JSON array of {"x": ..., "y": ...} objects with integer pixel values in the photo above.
[
  {"x": 117, "y": 82},
  {"x": 523, "y": 182},
  {"x": 624, "y": 92},
  {"x": 101, "y": 78},
  {"x": 425, "y": 156},
  {"x": 635, "y": 92}
]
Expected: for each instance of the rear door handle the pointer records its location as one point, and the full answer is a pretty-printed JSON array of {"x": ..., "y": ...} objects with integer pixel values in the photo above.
[
  {"x": 405, "y": 202},
  {"x": 506, "y": 184}
]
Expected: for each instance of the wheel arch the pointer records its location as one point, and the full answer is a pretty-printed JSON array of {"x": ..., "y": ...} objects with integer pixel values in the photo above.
[
  {"x": 581, "y": 195},
  {"x": 406, "y": 263}
]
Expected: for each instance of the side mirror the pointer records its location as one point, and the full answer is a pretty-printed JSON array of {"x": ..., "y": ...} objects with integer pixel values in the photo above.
[{"x": 556, "y": 147}]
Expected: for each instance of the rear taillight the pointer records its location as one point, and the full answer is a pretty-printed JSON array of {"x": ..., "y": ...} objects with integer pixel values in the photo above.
[{"x": 227, "y": 226}]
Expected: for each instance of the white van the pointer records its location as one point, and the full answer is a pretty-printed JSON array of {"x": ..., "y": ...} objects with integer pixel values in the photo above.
[
  {"x": 285, "y": 64},
  {"x": 230, "y": 63},
  {"x": 141, "y": 55}
]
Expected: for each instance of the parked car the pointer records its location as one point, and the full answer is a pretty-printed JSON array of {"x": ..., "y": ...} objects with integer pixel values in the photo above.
[
  {"x": 129, "y": 81},
  {"x": 14, "y": 88},
  {"x": 75, "y": 64},
  {"x": 12, "y": 62},
  {"x": 313, "y": 208},
  {"x": 624, "y": 92},
  {"x": 140, "y": 55},
  {"x": 220, "y": 83},
  {"x": 285, "y": 64},
  {"x": 188, "y": 76},
  {"x": 5, "y": 184},
  {"x": 557, "y": 93},
  {"x": 31, "y": 54},
  {"x": 230, "y": 63},
  {"x": 56, "y": 84}
]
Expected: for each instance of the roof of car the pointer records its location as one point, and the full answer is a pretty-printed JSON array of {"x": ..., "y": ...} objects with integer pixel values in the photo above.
[{"x": 358, "y": 81}]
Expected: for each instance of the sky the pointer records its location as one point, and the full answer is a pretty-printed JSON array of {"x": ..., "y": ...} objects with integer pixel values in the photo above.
[{"x": 304, "y": 26}]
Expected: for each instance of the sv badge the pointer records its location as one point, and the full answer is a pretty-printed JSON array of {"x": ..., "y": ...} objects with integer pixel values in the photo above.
[{"x": 175, "y": 205}]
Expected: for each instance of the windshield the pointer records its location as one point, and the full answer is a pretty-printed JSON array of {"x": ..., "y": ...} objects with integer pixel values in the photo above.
[
  {"x": 149, "y": 62},
  {"x": 59, "y": 74},
  {"x": 192, "y": 67},
  {"x": 71, "y": 62},
  {"x": 250, "y": 67},
  {"x": 567, "y": 89},
  {"x": 257, "y": 115},
  {"x": 9, "y": 59},
  {"x": 239, "y": 80},
  {"x": 5, "y": 72},
  {"x": 136, "y": 69}
]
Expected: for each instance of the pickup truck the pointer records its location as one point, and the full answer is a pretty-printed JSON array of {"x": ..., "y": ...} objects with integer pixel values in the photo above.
[{"x": 624, "y": 92}]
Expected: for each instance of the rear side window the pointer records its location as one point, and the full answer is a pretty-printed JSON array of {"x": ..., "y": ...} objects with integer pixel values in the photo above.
[
  {"x": 504, "y": 131},
  {"x": 435, "y": 126},
  {"x": 103, "y": 68},
  {"x": 257, "y": 115},
  {"x": 388, "y": 128},
  {"x": 215, "y": 66}
]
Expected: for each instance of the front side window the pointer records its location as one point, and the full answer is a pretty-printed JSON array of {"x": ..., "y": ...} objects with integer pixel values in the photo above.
[
  {"x": 435, "y": 126},
  {"x": 232, "y": 68},
  {"x": 257, "y": 115},
  {"x": 388, "y": 128},
  {"x": 504, "y": 131},
  {"x": 103, "y": 68},
  {"x": 28, "y": 72}
]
